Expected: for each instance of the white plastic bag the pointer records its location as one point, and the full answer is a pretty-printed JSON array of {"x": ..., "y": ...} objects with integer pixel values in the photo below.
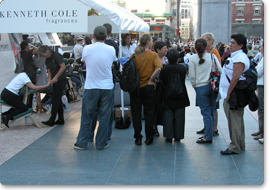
[{"x": 65, "y": 102}]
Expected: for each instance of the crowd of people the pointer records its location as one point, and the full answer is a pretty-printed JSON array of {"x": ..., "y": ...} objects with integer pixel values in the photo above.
[
  {"x": 158, "y": 64},
  {"x": 156, "y": 59}
]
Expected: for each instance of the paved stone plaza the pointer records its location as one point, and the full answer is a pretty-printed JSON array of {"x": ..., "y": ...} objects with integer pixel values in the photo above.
[{"x": 32, "y": 156}]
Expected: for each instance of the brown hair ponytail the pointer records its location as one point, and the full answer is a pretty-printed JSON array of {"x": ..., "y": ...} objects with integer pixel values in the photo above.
[
  {"x": 200, "y": 46},
  {"x": 143, "y": 41}
]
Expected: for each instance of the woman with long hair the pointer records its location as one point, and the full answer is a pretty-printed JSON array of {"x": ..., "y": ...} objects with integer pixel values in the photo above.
[
  {"x": 200, "y": 66},
  {"x": 149, "y": 67},
  {"x": 127, "y": 46}
]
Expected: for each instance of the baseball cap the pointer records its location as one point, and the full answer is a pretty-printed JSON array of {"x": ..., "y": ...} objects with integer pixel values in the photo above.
[
  {"x": 79, "y": 39},
  {"x": 100, "y": 31}
]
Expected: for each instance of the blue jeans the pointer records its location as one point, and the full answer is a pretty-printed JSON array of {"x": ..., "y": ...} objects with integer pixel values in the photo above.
[
  {"x": 91, "y": 99},
  {"x": 206, "y": 99},
  {"x": 95, "y": 118}
]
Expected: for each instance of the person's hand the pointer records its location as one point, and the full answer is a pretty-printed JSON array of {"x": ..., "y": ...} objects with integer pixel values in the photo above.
[
  {"x": 50, "y": 83},
  {"x": 54, "y": 80},
  {"x": 151, "y": 83},
  {"x": 228, "y": 97}
]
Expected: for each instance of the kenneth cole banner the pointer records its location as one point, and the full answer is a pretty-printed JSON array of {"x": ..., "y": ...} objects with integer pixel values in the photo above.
[{"x": 41, "y": 16}]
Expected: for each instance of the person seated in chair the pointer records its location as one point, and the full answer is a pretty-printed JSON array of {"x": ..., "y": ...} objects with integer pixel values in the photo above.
[{"x": 10, "y": 93}]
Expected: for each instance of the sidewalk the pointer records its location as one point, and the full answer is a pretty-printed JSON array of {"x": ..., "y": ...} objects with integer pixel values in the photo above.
[{"x": 50, "y": 159}]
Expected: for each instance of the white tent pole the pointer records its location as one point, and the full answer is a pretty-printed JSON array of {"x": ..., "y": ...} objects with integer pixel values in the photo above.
[{"x": 120, "y": 55}]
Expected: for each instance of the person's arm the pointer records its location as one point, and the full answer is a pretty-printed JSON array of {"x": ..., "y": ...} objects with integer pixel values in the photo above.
[
  {"x": 49, "y": 75},
  {"x": 237, "y": 71},
  {"x": 61, "y": 70},
  {"x": 218, "y": 64},
  {"x": 37, "y": 88},
  {"x": 158, "y": 66},
  {"x": 153, "y": 76},
  {"x": 260, "y": 68},
  {"x": 191, "y": 73}
]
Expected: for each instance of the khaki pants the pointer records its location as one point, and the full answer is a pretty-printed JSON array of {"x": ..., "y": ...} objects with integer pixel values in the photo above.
[
  {"x": 236, "y": 127},
  {"x": 261, "y": 108}
]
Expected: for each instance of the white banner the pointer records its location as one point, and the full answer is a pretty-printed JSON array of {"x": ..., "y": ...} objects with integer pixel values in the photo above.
[{"x": 41, "y": 16}]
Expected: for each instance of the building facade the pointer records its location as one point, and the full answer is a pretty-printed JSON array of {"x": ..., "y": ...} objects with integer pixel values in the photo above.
[
  {"x": 186, "y": 19},
  {"x": 248, "y": 17},
  {"x": 247, "y": 11},
  {"x": 157, "y": 13}
]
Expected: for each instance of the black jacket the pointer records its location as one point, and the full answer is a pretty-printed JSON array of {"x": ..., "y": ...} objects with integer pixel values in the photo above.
[{"x": 174, "y": 103}]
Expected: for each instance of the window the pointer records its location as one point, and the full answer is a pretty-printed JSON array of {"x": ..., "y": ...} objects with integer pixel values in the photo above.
[
  {"x": 240, "y": 11},
  {"x": 122, "y": 3},
  {"x": 256, "y": 10},
  {"x": 147, "y": 10},
  {"x": 182, "y": 13},
  {"x": 183, "y": 29},
  {"x": 240, "y": 0},
  {"x": 240, "y": 20},
  {"x": 256, "y": 20},
  {"x": 134, "y": 10},
  {"x": 147, "y": 21},
  {"x": 160, "y": 21},
  {"x": 185, "y": 13}
]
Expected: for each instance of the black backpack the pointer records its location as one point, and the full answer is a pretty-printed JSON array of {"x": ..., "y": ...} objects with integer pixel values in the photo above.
[
  {"x": 174, "y": 85},
  {"x": 245, "y": 89},
  {"x": 129, "y": 77}
]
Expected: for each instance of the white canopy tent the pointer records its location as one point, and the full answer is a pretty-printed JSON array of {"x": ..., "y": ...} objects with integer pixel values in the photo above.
[
  {"x": 122, "y": 19},
  {"x": 102, "y": 20}
]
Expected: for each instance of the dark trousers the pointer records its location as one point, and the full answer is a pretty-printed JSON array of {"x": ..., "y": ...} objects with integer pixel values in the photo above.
[
  {"x": 57, "y": 107},
  {"x": 145, "y": 97},
  {"x": 15, "y": 101},
  {"x": 174, "y": 123}
]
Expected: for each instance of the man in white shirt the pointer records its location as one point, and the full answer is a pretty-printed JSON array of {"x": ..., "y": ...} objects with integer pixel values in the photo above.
[
  {"x": 98, "y": 58},
  {"x": 78, "y": 49}
]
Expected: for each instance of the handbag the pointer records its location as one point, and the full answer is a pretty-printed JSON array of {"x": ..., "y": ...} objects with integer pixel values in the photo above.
[
  {"x": 214, "y": 77},
  {"x": 122, "y": 123}
]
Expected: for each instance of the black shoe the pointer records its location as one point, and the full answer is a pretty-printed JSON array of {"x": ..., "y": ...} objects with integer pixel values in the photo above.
[
  {"x": 138, "y": 141},
  {"x": 149, "y": 141},
  {"x": 177, "y": 140},
  {"x": 203, "y": 140},
  {"x": 49, "y": 123},
  {"x": 215, "y": 133},
  {"x": 169, "y": 140},
  {"x": 156, "y": 133},
  {"x": 227, "y": 152},
  {"x": 201, "y": 131},
  {"x": 59, "y": 122},
  {"x": 5, "y": 120}
]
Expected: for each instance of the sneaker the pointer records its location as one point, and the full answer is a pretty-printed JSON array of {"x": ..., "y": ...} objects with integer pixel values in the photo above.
[
  {"x": 78, "y": 147},
  {"x": 261, "y": 141},
  {"x": 106, "y": 146}
]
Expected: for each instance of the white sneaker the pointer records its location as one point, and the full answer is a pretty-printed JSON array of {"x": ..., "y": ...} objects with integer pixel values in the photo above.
[
  {"x": 106, "y": 146},
  {"x": 78, "y": 147},
  {"x": 261, "y": 141}
]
